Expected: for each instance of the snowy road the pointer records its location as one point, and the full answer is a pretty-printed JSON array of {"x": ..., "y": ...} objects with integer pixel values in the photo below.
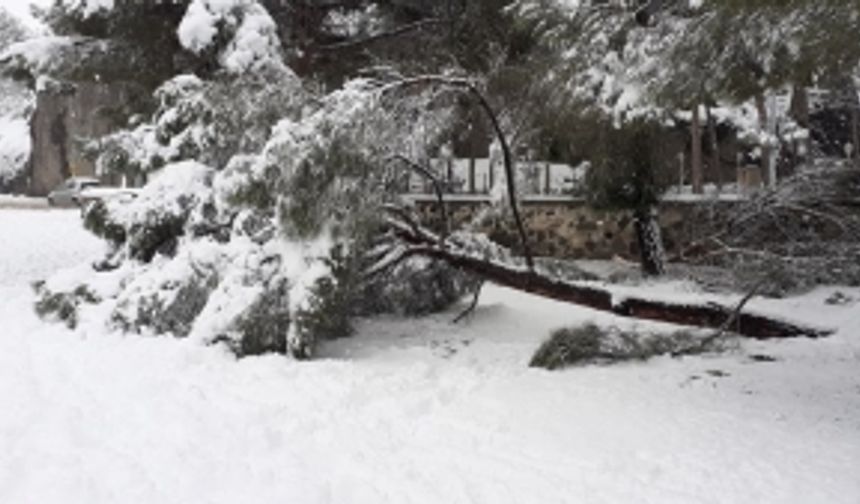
[{"x": 411, "y": 411}]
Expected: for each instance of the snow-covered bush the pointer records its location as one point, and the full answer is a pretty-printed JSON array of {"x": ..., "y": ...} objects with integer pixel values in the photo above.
[{"x": 14, "y": 149}]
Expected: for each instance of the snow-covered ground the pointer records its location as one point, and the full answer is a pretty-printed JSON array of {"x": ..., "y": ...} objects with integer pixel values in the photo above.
[{"x": 412, "y": 411}]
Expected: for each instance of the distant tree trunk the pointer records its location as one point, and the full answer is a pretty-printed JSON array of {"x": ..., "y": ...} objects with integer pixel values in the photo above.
[
  {"x": 547, "y": 180},
  {"x": 799, "y": 105},
  {"x": 767, "y": 167},
  {"x": 855, "y": 132},
  {"x": 716, "y": 165},
  {"x": 847, "y": 97},
  {"x": 472, "y": 174},
  {"x": 652, "y": 254},
  {"x": 696, "y": 151},
  {"x": 799, "y": 110}
]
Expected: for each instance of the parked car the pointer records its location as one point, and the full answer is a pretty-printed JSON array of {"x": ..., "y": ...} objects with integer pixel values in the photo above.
[
  {"x": 69, "y": 192},
  {"x": 80, "y": 191}
]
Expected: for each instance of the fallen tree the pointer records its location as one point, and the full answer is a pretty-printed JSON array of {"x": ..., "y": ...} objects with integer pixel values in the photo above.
[
  {"x": 407, "y": 238},
  {"x": 474, "y": 254}
]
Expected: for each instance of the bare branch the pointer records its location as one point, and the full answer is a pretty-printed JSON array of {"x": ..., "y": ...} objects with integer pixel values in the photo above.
[
  {"x": 476, "y": 296},
  {"x": 437, "y": 187}
]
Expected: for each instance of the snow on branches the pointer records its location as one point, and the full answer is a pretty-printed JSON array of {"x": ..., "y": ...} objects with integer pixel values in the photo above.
[{"x": 241, "y": 31}]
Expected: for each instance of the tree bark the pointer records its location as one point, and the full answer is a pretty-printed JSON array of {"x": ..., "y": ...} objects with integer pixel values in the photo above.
[
  {"x": 799, "y": 105},
  {"x": 651, "y": 251},
  {"x": 696, "y": 151},
  {"x": 799, "y": 108}
]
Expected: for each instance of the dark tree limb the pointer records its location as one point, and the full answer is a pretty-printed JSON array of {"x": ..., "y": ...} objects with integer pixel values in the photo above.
[
  {"x": 727, "y": 325},
  {"x": 476, "y": 296},
  {"x": 709, "y": 315}
]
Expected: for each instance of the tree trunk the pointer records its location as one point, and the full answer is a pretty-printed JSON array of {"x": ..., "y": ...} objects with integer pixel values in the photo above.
[
  {"x": 716, "y": 165},
  {"x": 800, "y": 113},
  {"x": 767, "y": 166},
  {"x": 472, "y": 174},
  {"x": 696, "y": 151},
  {"x": 799, "y": 105},
  {"x": 547, "y": 179},
  {"x": 652, "y": 254}
]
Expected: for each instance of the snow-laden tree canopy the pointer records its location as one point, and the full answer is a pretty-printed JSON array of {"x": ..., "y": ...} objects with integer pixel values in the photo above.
[
  {"x": 16, "y": 104},
  {"x": 248, "y": 29},
  {"x": 238, "y": 35}
]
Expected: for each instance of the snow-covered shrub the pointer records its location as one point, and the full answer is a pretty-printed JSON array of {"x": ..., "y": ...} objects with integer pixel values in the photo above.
[
  {"x": 165, "y": 299},
  {"x": 159, "y": 215},
  {"x": 97, "y": 220},
  {"x": 14, "y": 149},
  {"x": 264, "y": 326},
  {"x": 593, "y": 344}
]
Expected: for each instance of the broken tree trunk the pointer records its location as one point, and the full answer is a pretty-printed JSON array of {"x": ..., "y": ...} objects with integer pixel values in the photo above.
[{"x": 417, "y": 241}]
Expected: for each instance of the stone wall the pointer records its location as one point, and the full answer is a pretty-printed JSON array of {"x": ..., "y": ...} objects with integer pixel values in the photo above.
[
  {"x": 570, "y": 229},
  {"x": 64, "y": 118}
]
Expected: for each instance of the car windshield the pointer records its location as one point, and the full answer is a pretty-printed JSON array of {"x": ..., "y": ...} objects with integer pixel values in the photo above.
[{"x": 89, "y": 183}]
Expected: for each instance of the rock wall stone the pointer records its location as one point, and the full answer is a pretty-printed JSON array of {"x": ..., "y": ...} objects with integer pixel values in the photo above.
[
  {"x": 65, "y": 117},
  {"x": 571, "y": 229}
]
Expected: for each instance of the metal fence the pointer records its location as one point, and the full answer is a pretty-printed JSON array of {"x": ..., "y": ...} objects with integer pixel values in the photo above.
[{"x": 478, "y": 176}]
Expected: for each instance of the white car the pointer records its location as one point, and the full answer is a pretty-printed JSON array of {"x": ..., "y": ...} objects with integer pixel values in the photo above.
[
  {"x": 79, "y": 191},
  {"x": 69, "y": 192}
]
